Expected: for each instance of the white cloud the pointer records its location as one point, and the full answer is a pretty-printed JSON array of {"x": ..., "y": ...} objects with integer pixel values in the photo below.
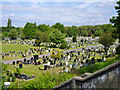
[
  {"x": 76, "y": 15},
  {"x": 12, "y": 14}
]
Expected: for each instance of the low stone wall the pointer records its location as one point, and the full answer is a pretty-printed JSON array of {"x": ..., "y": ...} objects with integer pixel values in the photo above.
[{"x": 108, "y": 77}]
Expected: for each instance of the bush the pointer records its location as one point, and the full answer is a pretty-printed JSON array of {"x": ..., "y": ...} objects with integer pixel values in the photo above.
[
  {"x": 18, "y": 70},
  {"x": 30, "y": 38},
  {"x": 118, "y": 50},
  {"x": 10, "y": 74},
  {"x": 8, "y": 79},
  {"x": 23, "y": 38},
  {"x": 13, "y": 78},
  {"x": 74, "y": 39},
  {"x": 63, "y": 45}
]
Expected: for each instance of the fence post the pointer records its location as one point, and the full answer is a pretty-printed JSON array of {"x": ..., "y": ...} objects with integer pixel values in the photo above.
[{"x": 73, "y": 84}]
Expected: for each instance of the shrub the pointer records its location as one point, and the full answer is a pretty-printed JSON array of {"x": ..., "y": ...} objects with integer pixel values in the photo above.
[
  {"x": 74, "y": 39},
  {"x": 8, "y": 79},
  {"x": 30, "y": 38},
  {"x": 118, "y": 50},
  {"x": 10, "y": 74},
  {"x": 58, "y": 55},
  {"x": 23, "y": 38},
  {"x": 63, "y": 45},
  {"x": 53, "y": 54},
  {"x": 18, "y": 70},
  {"x": 13, "y": 78}
]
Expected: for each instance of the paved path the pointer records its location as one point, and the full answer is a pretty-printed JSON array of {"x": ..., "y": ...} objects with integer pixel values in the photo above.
[{"x": 10, "y": 61}]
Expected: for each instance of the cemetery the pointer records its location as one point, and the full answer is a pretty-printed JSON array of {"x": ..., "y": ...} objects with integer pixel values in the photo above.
[{"x": 41, "y": 56}]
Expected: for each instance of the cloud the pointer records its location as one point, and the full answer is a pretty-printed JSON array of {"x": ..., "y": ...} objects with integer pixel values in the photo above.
[
  {"x": 67, "y": 13},
  {"x": 12, "y": 14}
]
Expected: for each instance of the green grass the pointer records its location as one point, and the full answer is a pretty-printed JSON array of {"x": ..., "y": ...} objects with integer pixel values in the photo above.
[{"x": 18, "y": 47}]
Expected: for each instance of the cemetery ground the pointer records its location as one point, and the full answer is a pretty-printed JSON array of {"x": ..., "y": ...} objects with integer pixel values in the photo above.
[
  {"x": 22, "y": 47},
  {"x": 17, "y": 47},
  {"x": 54, "y": 76}
]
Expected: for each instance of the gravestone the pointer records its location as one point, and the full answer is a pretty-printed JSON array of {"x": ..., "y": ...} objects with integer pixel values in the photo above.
[
  {"x": 25, "y": 60},
  {"x": 66, "y": 70},
  {"x": 18, "y": 62},
  {"x": 20, "y": 65},
  {"x": 13, "y": 62},
  {"x": 38, "y": 62},
  {"x": 36, "y": 57},
  {"x": 44, "y": 60}
]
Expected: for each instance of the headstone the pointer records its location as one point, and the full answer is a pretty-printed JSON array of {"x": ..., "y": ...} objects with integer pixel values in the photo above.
[
  {"x": 66, "y": 70},
  {"x": 13, "y": 62},
  {"x": 20, "y": 65},
  {"x": 36, "y": 57},
  {"x": 25, "y": 60},
  {"x": 66, "y": 63}
]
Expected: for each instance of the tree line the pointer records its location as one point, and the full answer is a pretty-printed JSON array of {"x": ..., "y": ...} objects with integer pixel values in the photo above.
[{"x": 31, "y": 30}]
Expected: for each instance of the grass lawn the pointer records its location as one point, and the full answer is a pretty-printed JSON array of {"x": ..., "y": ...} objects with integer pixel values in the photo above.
[{"x": 18, "y": 47}]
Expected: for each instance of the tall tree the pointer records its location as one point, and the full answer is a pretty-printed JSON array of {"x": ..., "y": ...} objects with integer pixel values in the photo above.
[
  {"x": 106, "y": 40},
  {"x": 9, "y": 25},
  {"x": 116, "y": 20}
]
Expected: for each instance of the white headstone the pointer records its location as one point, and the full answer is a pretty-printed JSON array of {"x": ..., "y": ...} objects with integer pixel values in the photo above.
[
  {"x": 66, "y": 63},
  {"x": 66, "y": 70}
]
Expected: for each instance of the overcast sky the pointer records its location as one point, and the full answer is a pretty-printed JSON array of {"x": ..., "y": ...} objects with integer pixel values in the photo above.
[{"x": 68, "y": 13}]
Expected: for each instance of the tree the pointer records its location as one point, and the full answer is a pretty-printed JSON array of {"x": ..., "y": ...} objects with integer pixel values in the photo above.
[
  {"x": 74, "y": 39},
  {"x": 29, "y": 30},
  {"x": 116, "y": 22},
  {"x": 106, "y": 40},
  {"x": 42, "y": 37},
  {"x": 57, "y": 37},
  {"x": 13, "y": 34},
  {"x": 9, "y": 25},
  {"x": 43, "y": 27},
  {"x": 59, "y": 27}
]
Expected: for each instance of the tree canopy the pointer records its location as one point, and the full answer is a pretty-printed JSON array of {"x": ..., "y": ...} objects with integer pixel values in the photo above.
[{"x": 56, "y": 36}]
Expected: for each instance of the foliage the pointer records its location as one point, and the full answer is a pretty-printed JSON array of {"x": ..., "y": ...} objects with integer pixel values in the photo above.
[
  {"x": 13, "y": 34},
  {"x": 29, "y": 30},
  {"x": 4, "y": 67},
  {"x": 74, "y": 39},
  {"x": 13, "y": 78},
  {"x": 53, "y": 54},
  {"x": 118, "y": 50},
  {"x": 42, "y": 37},
  {"x": 63, "y": 45},
  {"x": 59, "y": 27},
  {"x": 9, "y": 25},
  {"x": 93, "y": 68},
  {"x": 116, "y": 21},
  {"x": 106, "y": 40},
  {"x": 49, "y": 80},
  {"x": 18, "y": 70},
  {"x": 10, "y": 74},
  {"x": 56, "y": 36},
  {"x": 58, "y": 55},
  {"x": 43, "y": 27},
  {"x": 8, "y": 79}
]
